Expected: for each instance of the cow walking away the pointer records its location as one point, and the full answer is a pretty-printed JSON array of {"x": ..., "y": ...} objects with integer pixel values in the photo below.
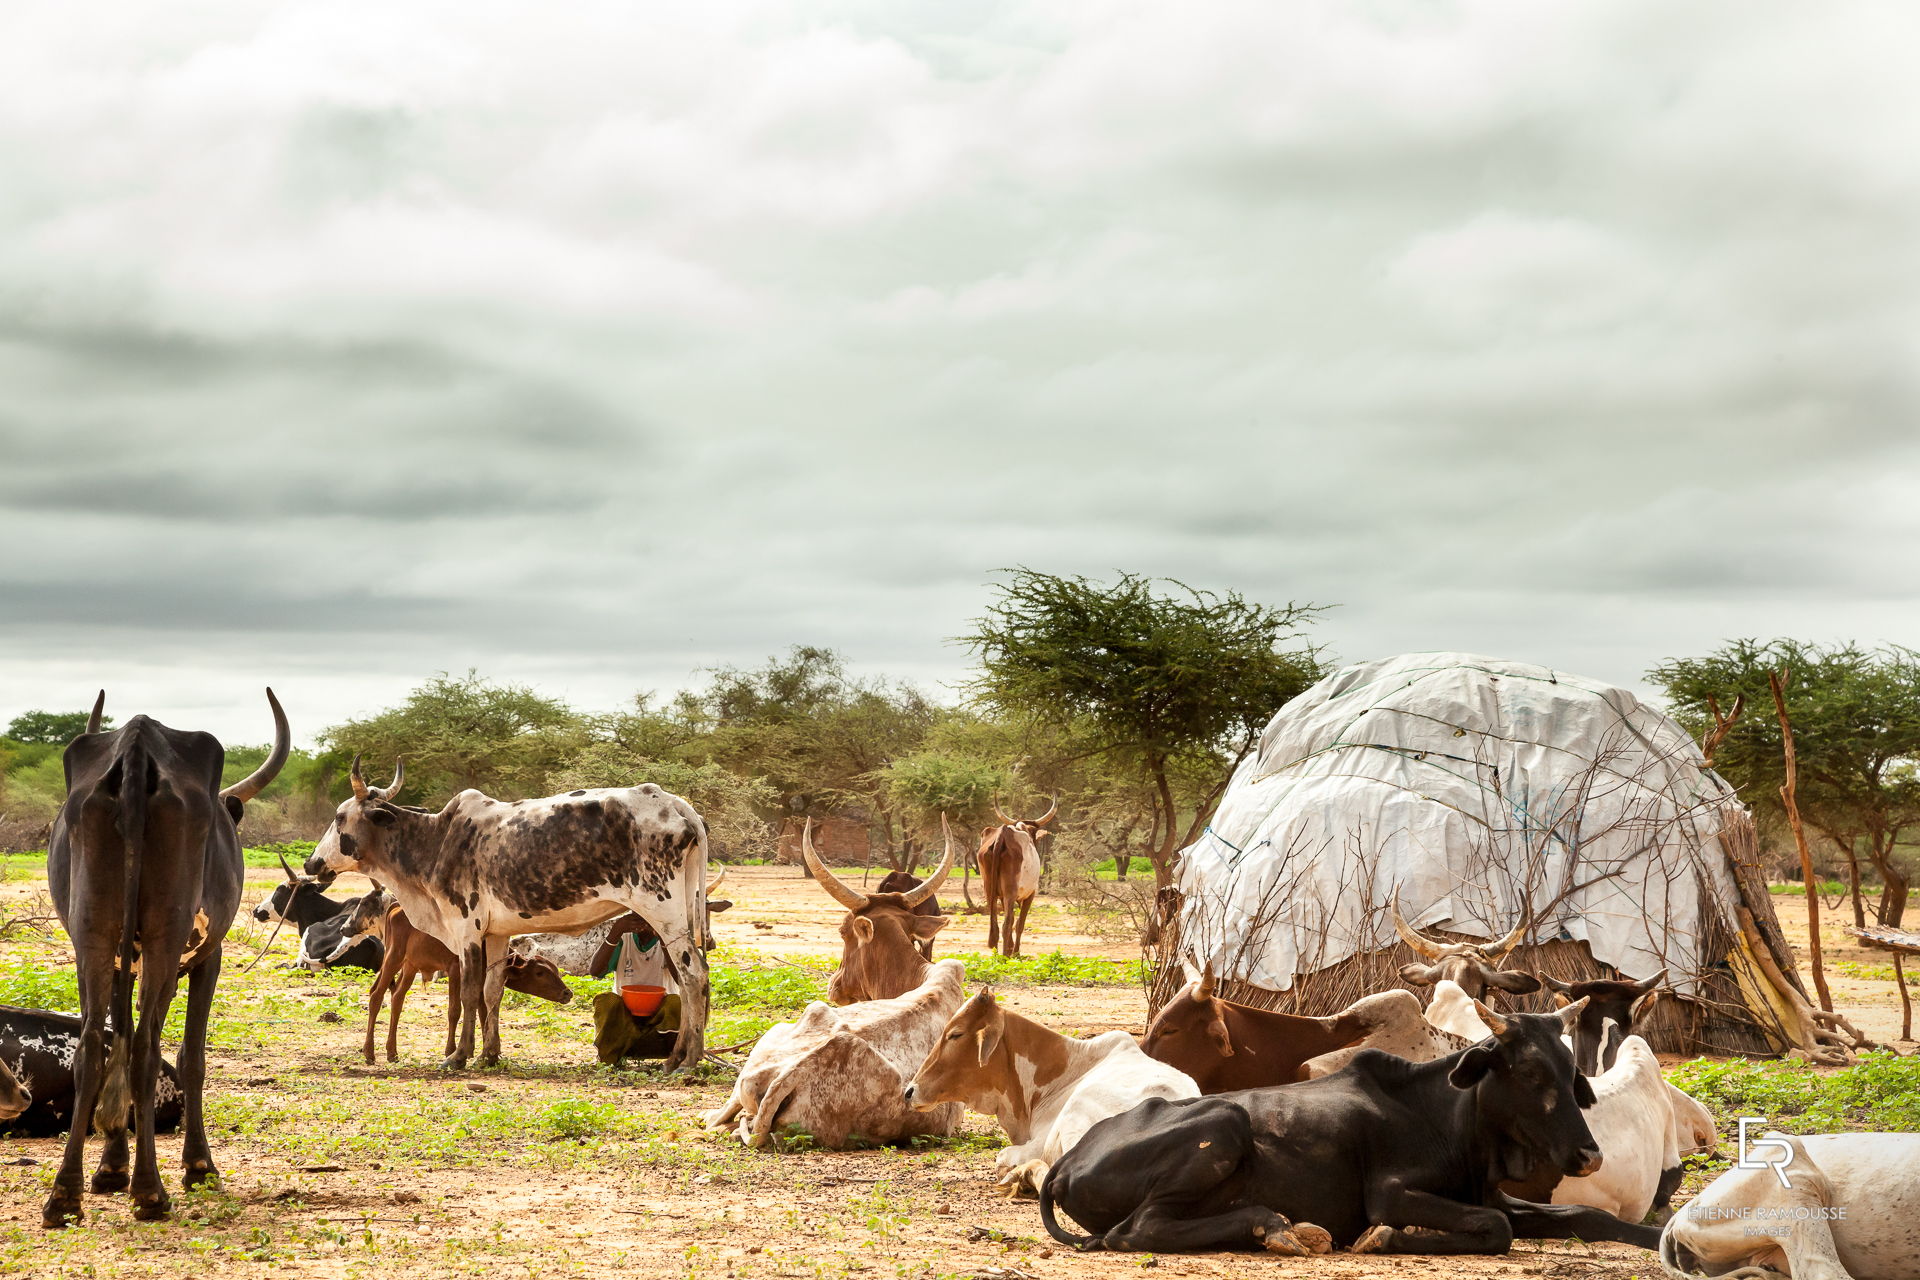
[
  {"x": 144, "y": 866},
  {"x": 1009, "y": 861},
  {"x": 38, "y": 1052},
  {"x": 482, "y": 870},
  {"x": 1386, "y": 1156}
]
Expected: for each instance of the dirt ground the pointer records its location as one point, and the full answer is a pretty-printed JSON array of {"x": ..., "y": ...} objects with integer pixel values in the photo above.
[{"x": 552, "y": 1165}]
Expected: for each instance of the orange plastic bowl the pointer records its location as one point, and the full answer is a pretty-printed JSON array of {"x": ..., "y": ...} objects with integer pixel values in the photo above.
[{"x": 643, "y": 1002}]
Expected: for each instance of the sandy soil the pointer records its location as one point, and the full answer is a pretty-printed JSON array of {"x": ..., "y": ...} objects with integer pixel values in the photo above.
[{"x": 334, "y": 1168}]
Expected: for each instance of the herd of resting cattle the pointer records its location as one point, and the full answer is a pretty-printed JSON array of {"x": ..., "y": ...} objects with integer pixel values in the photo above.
[{"x": 1383, "y": 1128}]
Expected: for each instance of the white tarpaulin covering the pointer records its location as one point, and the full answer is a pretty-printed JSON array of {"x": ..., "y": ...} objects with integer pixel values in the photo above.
[{"x": 1473, "y": 792}]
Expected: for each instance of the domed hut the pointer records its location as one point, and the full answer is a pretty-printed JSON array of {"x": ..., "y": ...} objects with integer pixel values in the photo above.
[{"x": 1484, "y": 799}]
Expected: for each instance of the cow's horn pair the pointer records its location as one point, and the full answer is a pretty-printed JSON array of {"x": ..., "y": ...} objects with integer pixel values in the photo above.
[
  {"x": 1430, "y": 949},
  {"x": 1040, "y": 821},
  {"x": 361, "y": 791},
  {"x": 852, "y": 899}
]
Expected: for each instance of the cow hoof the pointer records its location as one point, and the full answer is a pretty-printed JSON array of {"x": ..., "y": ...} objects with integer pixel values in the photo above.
[
  {"x": 153, "y": 1207},
  {"x": 198, "y": 1177},
  {"x": 62, "y": 1211},
  {"x": 455, "y": 1063},
  {"x": 1374, "y": 1241},
  {"x": 108, "y": 1181},
  {"x": 1281, "y": 1242},
  {"x": 1317, "y": 1239}
]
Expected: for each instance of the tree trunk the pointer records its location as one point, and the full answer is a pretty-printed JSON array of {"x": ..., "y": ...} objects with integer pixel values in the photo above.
[
  {"x": 1893, "y": 881},
  {"x": 1853, "y": 885},
  {"x": 1789, "y": 796},
  {"x": 1163, "y": 856}
]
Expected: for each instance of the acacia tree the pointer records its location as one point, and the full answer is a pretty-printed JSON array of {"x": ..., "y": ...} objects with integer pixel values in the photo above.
[
  {"x": 1856, "y": 728},
  {"x": 50, "y": 728},
  {"x": 1157, "y": 682}
]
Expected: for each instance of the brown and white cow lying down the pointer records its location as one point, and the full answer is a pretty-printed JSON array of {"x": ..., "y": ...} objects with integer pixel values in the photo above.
[
  {"x": 1225, "y": 1046},
  {"x": 1046, "y": 1089},
  {"x": 840, "y": 1074},
  {"x": 1851, "y": 1211}
]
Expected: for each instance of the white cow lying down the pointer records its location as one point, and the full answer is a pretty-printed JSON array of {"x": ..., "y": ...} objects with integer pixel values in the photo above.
[
  {"x": 1852, "y": 1213},
  {"x": 1046, "y": 1089},
  {"x": 840, "y": 1074}
]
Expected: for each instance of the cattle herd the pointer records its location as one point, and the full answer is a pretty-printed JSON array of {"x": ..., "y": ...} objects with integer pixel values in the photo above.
[{"x": 1388, "y": 1127}]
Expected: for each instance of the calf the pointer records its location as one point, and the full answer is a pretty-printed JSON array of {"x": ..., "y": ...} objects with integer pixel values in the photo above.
[
  {"x": 882, "y": 933},
  {"x": 412, "y": 953},
  {"x": 1850, "y": 1211},
  {"x": 1473, "y": 965},
  {"x": 37, "y": 1053},
  {"x": 1045, "y": 1089},
  {"x": 1389, "y": 1156},
  {"x": 1224, "y": 1046},
  {"x": 144, "y": 865},
  {"x": 840, "y": 1074},
  {"x": 1623, "y": 1003}
]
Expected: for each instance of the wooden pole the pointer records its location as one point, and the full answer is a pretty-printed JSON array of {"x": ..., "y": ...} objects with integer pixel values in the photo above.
[
  {"x": 1778, "y": 681},
  {"x": 1906, "y": 1000}
]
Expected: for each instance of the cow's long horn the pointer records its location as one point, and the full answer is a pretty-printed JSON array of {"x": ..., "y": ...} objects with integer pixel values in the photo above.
[
  {"x": 1648, "y": 984},
  {"x": 256, "y": 782},
  {"x": 715, "y": 882},
  {"x": 1002, "y": 814},
  {"x": 1047, "y": 817},
  {"x": 93, "y": 717},
  {"x": 1423, "y": 945},
  {"x": 392, "y": 789},
  {"x": 1496, "y": 950},
  {"x": 847, "y": 897},
  {"x": 931, "y": 885},
  {"x": 357, "y": 778},
  {"x": 1206, "y": 987},
  {"x": 291, "y": 878}
]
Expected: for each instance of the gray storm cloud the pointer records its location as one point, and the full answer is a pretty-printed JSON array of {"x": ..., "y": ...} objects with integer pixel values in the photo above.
[{"x": 348, "y": 342}]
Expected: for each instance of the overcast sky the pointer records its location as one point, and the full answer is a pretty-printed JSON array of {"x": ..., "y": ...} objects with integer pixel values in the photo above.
[{"x": 594, "y": 344}]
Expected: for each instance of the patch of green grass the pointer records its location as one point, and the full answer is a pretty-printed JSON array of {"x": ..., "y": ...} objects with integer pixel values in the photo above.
[
  {"x": 1880, "y": 1092},
  {"x": 1869, "y": 972},
  {"x": 1052, "y": 969},
  {"x": 1830, "y": 887}
]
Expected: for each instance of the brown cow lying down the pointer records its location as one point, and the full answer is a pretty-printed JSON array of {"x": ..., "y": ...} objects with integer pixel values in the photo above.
[
  {"x": 1226, "y": 1046},
  {"x": 840, "y": 1075}
]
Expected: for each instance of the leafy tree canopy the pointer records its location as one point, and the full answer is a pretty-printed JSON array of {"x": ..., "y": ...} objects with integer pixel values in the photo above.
[
  {"x": 1152, "y": 672},
  {"x": 51, "y": 728},
  {"x": 1856, "y": 729}
]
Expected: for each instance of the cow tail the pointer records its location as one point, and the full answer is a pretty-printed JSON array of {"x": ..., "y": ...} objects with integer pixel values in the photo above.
[
  {"x": 1048, "y": 1221},
  {"x": 116, "y": 1093}
]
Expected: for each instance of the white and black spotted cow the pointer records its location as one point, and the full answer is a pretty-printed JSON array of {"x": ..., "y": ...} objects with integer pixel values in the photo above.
[{"x": 482, "y": 870}]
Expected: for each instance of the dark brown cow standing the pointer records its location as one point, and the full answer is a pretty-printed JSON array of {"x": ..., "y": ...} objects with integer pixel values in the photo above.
[
  {"x": 882, "y": 933},
  {"x": 144, "y": 867},
  {"x": 1226, "y": 1046},
  {"x": 1621, "y": 1003}
]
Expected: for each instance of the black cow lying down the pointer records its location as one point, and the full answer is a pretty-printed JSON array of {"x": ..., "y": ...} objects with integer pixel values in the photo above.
[
  {"x": 38, "y": 1048},
  {"x": 1387, "y": 1156}
]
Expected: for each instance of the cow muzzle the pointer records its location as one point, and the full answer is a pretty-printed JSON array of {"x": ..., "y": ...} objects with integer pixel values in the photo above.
[{"x": 1589, "y": 1161}]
